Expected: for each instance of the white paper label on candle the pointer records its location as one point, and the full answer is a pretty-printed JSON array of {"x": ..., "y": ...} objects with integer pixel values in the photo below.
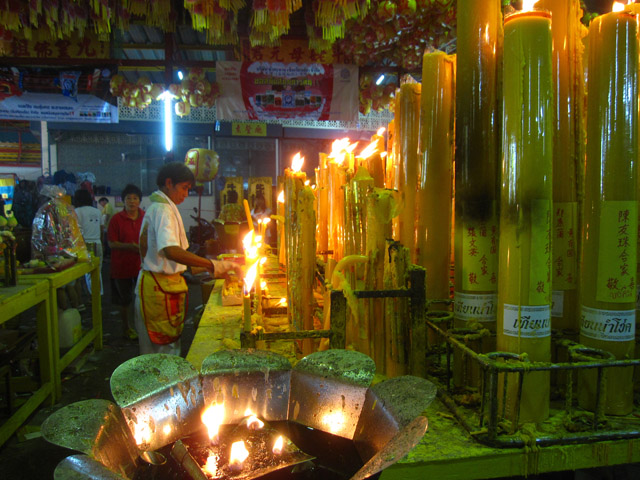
[
  {"x": 557, "y": 303},
  {"x": 478, "y": 307},
  {"x": 527, "y": 321},
  {"x": 608, "y": 325}
]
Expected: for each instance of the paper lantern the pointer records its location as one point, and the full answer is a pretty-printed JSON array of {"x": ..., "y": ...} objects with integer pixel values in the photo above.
[{"x": 203, "y": 163}]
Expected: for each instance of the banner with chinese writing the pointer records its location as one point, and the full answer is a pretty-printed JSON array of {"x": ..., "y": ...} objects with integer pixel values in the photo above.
[
  {"x": 86, "y": 46},
  {"x": 53, "y": 107},
  {"x": 269, "y": 91},
  {"x": 289, "y": 50}
]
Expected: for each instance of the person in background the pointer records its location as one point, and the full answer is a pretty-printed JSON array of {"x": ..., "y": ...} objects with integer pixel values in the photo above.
[
  {"x": 122, "y": 234},
  {"x": 161, "y": 291},
  {"x": 89, "y": 223},
  {"x": 107, "y": 212}
]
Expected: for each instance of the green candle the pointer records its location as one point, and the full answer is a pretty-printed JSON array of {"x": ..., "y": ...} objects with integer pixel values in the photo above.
[
  {"x": 608, "y": 271},
  {"x": 524, "y": 287},
  {"x": 479, "y": 50}
]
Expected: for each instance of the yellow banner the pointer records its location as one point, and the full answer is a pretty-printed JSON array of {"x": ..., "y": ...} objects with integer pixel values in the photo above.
[
  {"x": 239, "y": 129},
  {"x": 480, "y": 256},
  {"x": 540, "y": 257},
  {"x": 617, "y": 252},
  {"x": 289, "y": 51},
  {"x": 87, "y": 46}
]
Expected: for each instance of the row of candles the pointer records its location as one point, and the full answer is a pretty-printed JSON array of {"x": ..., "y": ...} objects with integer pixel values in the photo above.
[
  {"x": 541, "y": 243},
  {"x": 512, "y": 250}
]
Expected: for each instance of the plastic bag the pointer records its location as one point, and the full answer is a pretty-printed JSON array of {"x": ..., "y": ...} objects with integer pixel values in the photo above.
[{"x": 55, "y": 231}]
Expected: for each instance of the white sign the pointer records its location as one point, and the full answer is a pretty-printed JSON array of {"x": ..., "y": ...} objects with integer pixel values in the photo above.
[
  {"x": 609, "y": 325},
  {"x": 478, "y": 307},
  {"x": 51, "y": 107},
  {"x": 527, "y": 321},
  {"x": 557, "y": 303}
]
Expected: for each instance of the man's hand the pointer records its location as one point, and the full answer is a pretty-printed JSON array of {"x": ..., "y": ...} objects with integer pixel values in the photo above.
[{"x": 222, "y": 268}]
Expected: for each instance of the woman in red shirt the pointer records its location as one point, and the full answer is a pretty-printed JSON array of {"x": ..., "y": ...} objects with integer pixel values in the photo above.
[{"x": 123, "y": 234}]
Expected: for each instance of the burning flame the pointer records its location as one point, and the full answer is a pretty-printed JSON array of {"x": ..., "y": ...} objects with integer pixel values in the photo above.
[
  {"x": 380, "y": 131},
  {"x": 334, "y": 421},
  {"x": 239, "y": 454},
  {"x": 142, "y": 433},
  {"x": 340, "y": 148},
  {"x": 212, "y": 418},
  {"x": 282, "y": 302},
  {"x": 278, "y": 445},
  {"x": 296, "y": 163},
  {"x": 211, "y": 467},
  {"x": 617, "y": 7},
  {"x": 369, "y": 150},
  {"x": 253, "y": 422},
  {"x": 250, "y": 277},
  {"x": 307, "y": 183},
  {"x": 263, "y": 285},
  {"x": 281, "y": 196},
  {"x": 527, "y": 5},
  {"x": 166, "y": 429}
]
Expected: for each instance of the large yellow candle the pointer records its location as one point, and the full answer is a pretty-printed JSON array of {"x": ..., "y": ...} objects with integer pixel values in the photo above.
[
  {"x": 407, "y": 135},
  {"x": 337, "y": 179},
  {"x": 568, "y": 157},
  {"x": 479, "y": 49},
  {"x": 609, "y": 256},
  {"x": 524, "y": 288},
  {"x": 322, "y": 184},
  {"x": 302, "y": 284},
  {"x": 433, "y": 212}
]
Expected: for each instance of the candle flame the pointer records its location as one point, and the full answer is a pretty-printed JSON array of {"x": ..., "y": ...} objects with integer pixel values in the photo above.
[
  {"x": 239, "y": 454},
  {"x": 282, "y": 303},
  {"x": 380, "y": 131},
  {"x": 307, "y": 183},
  {"x": 263, "y": 285},
  {"x": 166, "y": 429},
  {"x": 334, "y": 421},
  {"x": 254, "y": 423},
  {"x": 250, "y": 277},
  {"x": 617, "y": 7},
  {"x": 369, "y": 150},
  {"x": 247, "y": 240},
  {"x": 527, "y": 5},
  {"x": 340, "y": 148},
  {"x": 278, "y": 445},
  {"x": 297, "y": 162},
  {"x": 281, "y": 196},
  {"x": 211, "y": 467},
  {"x": 266, "y": 220},
  {"x": 212, "y": 418}
]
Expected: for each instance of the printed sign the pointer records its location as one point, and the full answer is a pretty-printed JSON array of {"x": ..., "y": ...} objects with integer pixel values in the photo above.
[
  {"x": 480, "y": 256},
  {"x": 540, "y": 259},
  {"x": 617, "y": 252},
  {"x": 267, "y": 91},
  {"x": 480, "y": 307},
  {"x": 565, "y": 256},
  {"x": 256, "y": 129},
  {"x": 527, "y": 321},
  {"x": 608, "y": 325},
  {"x": 58, "y": 108},
  {"x": 557, "y": 303}
]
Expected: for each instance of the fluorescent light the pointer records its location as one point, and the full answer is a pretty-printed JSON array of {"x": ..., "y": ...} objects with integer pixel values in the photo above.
[
  {"x": 168, "y": 121},
  {"x": 380, "y": 79},
  {"x": 180, "y": 75}
]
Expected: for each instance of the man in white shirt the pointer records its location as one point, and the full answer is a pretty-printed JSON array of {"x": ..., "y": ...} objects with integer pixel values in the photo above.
[{"x": 161, "y": 291}]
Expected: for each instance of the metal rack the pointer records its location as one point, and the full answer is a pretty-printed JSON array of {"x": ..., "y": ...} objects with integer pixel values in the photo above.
[{"x": 568, "y": 424}]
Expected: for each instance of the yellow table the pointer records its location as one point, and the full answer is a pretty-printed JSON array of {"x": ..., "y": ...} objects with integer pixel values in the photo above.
[
  {"x": 13, "y": 301},
  {"x": 55, "y": 281}
]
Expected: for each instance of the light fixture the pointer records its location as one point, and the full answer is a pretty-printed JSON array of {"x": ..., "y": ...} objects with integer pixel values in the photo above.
[
  {"x": 168, "y": 121},
  {"x": 180, "y": 75},
  {"x": 380, "y": 79}
]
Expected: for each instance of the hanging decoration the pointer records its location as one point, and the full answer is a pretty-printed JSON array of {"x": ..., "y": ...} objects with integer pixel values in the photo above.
[
  {"x": 218, "y": 18},
  {"x": 375, "y": 97}
]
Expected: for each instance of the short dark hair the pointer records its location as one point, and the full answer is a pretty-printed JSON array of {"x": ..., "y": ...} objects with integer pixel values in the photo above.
[
  {"x": 103, "y": 199},
  {"x": 131, "y": 189},
  {"x": 82, "y": 198},
  {"x": 178, "y": 172}
]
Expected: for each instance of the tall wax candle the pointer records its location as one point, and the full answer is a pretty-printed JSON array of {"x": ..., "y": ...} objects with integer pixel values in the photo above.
[
  {"x": 479, "y": 50},
  {"x": 302, "y": 283},
  {"x": 524, "y": 287},
  {"x": 407, "y": 135},
  {"x": 609, "y": 252},
  {"x": 433, "y": 212},
  {"x": 568, "y": 158},
  {"x": 322, "y": 183}
]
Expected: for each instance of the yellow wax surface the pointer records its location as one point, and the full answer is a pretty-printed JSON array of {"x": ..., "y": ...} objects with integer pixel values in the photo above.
[{"x": 524, "y": 286}]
